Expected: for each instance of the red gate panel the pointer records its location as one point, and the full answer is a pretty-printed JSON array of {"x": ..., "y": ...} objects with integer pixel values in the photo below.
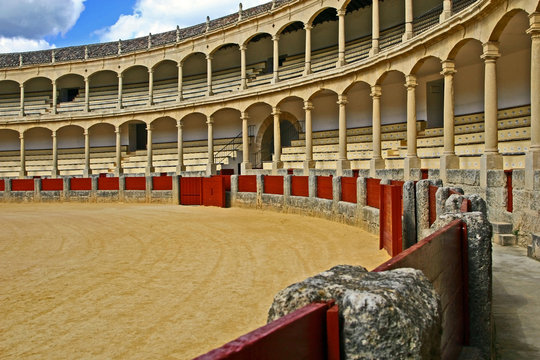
[
  {"x": 300, "y": 186},
  {"x": 52, "y": 184},
  {"x": 510, "y": 198},
  {"x": 273, "y": 185},
  {"x": 400, "y": 184},
  {"x": 324, "y": 187},
  {"x": 80, "y": 184},
  {"x": 348, "y": 189},
  {"x": 22, "y": 185},
  {"x": 390, "y": 219},
  {"x": 213, "y": 193},
  {"x": 191, "y": 191},
  {"x": 432, "y": 204},
  {"x": 108, "y": 183},
  {"x": 135, "y": 183},
  {"x": 247, "y": 183},
  {"x": 373, "y": 192},
  {"x": 226, "y": 181},
  {"x": 162, "y": 183},
  {"x": 2, "y": 185}
]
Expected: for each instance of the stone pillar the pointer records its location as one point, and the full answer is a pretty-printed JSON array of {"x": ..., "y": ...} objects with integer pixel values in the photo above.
[
  {"x": 448, "y": 159},
  {"x": 21, "y": 111},
  {"x": 446, "y": 11},
  {"x": 149, "y": 159},
  {"x": 374, "y": 28},
  {"x": 54, "y": 172},
  {"x": 118, "y": 169},
  {"x": 211, "y": 166},
  {"x": 408, "y": 20},
  {"x": 22, "y": 170},
  {"x": 180, "y": 151},
  {"x": 209, "y": 92},
  {"x": 307, "y": 66},
  {"x": 341, "y": 37},
  {"x": 246, "y": 164},
  {"x": 411, "y": 160},
  {"x": 276, "y": 162},
  {"x": 376, "y": 162},
  {"x": 342, "y": 162},
  {"x": 180, "y": 95},
  {"x": 275, "y": 77},
  {"x": 150, "y": 87},
  {"x": 491, "y": 159},
  {"x": 532, "y": 158},
  {"x": 308, "y": 162},
  {"x": 119, "y": 105},
  {"x": 86, "y": 94},
  {"x": 54, "y": 97},
  {"x": 86, "y": 171},
  {"x": 243, "y": 76}
]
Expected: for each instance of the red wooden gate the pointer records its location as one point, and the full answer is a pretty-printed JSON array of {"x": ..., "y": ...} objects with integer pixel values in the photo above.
[
  {"x": 390, "y": 219},
  {"x": 324, "y": 187},
  {"x": 348, "y": 189},
  {"x": 510, "y": 198},
  {"x": 373, "y": 192},
  {"x": 432, "y": 204},
  {"x": 191, "y": 191},
  {"x": 213, "y": 191}
]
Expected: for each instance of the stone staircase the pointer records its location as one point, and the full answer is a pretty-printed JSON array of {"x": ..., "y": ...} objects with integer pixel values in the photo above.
[{"x": 503, "y": 234}]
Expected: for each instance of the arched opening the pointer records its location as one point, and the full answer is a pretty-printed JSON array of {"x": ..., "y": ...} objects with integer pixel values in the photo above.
[
  {"x": 10, "y": 98},
  {"x": 37, "y": 96},
  {"x": 429, "y": 92},
  {"x": 358, "y": 28},
  {"x": 259, "y": 56},
  {"x": 194, "y": 71},
  {"x": 137, "y": 135},
  {"x": 289, "y": 131},
  {"x": 70, "y": 93},
  {"x": 70, "y": 137},
  {"x": 103, "y": 90},
  {"x": 135, "y": 86},
  {"x": 226, "y": 69},
  {"x": 165, "y": 81},
  {"x": 292, "y": 45},
  {"x": 324, "y": 40},
  {"x": 393, "y": 98},
  {"x": 469, "y": 78}
]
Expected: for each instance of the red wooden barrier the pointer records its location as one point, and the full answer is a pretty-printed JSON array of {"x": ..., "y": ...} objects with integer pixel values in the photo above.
[
  {"x": 273, "y": 185},
  {"x": 135, "y": 183},
  {"x": 373, "y": 192},
  {"x": 247, "y": 183},
  {"x": 108, "y": 183},
  {"x": 510, "y": 199},
  {"x": 390, "y": 235},
  {"x": 300, "y": 186},
  {"x": 228, "y": 172},
  {"x": 191, "y": 191},
  {"x": 324, "y": 187},
  {"x": 424, "y": 174},
  {"x": 432, "y": 204},
  {"x": 80, "y": 184},
  {"x": 213, "y": 193},
  {"x": 52, "y": 184},
  {"x": 307, "y": 333},
  {"x": 400, "y": 184},
  {"x": 162, "y": 183},
  {"x": 348, "y": 189},
  {"x": 22, "y": 185},
  {"x": 226, "y": 181},
  {"x": 442, "y": 257},
  {"x": 2, "y": 185}
]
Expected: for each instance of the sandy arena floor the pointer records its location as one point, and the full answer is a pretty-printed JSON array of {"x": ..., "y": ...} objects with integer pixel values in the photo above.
[{"x": 153, "y": 281}]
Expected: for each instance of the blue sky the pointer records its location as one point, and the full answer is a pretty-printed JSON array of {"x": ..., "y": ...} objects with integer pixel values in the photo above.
[{"x": 27, "y": 25}]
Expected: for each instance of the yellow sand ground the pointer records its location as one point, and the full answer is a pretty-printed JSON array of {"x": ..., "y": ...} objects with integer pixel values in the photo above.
[{"x": 117, "y": 281}]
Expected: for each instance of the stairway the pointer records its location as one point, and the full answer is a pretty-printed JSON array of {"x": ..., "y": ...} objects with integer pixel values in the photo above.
[{"x": 503, "y": 234}]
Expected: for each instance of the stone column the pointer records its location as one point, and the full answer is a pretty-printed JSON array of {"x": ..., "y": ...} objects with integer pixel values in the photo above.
[
  {"x": 180, "y": 164},
  {"x": 491, "y": 159},
  {"x": 118, "y": 169},
  {"x": 22, "y": 171},
  {"x": 446, "y": 11},
  {"x": 86, "y": 171},
  {"x": 532, "y": 158},
  {"x": 211, "y": 166},
  {"x": 149, "y": 159},
  {"x": 448, "y": 159},
  {"x": 150, "y": 87},
  {"x": 411, "y": 160},
  {"x": 275, "y": 77},
  {"x": 307, "y": 66},
  {"x": 209, "y": 92},
  {"x": 21, "y": 111},
  {"x": 408, "y": 20},
  {"x": 54, "y": 172},
  {"x": 180, "y": 95},
  {"x": 376, "y": 162},
  {"x": 119, "y": 105},
  {"x": 243, "y": 76},
  {"x": 54, "y": 97},
  {"x": 246, "y": 164},
  {"x": 341, "y": 37},
  {"x": 374, "y": 28},
  {"x": 86, "y": 94},
  {"x": 342, "y": 162},
  {"x": 276, "y": 162},
  {"x": 308, "y": 162}
]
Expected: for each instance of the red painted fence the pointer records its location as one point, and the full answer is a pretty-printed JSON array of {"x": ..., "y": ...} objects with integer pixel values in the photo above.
[
  {"x": 348, "y": 189},
  {"x": 273, "y": 185},
  {"x": 226, "y": 182},
  {"x": 52, "y": 184},
  {"x": 135, "y": 183},
  {"x": 510, "y": 199},
  {"x": 390, "y": 234},
  {"x": 162, "y": 182},
  {"x": 432, "y": 204},
  {"x": 247, "y": 183},
  {"x": 80, "y": 184},
  {"x": 191, "y": 191},
  {"x": 213, "y": 191},
  {"x": 373, "y": 192},
  {"x": 108, "y": 183},
  {"x": 324, "y": 187},
  {"x": 22, "y": 185},
  {"x": 311, "y": 332},
  {"x": 2, "y": 185},
  {"x": 300, "y": 186}
]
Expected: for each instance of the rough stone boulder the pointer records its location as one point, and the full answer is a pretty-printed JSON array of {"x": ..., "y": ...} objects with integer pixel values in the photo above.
[{"x": 387, "y": 315}]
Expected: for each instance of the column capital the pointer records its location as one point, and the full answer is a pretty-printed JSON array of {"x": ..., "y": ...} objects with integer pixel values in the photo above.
[
  {"x": 242, "y": 47},
  {"x": 21, "y": 136},
  {"x": 151, "y": 70},
  {"x": 209, "y": 57},
  {"x": 410, "y": 82},
  {"x": 491, "y": 51},
  {"x": 21, "y": 85},
  {"x": 53, "y": 82},
  {"x": 53, "y": 133},
  {"x": 308, "y": 105},
  {"x": 276, "y": 111},
  {"x": 210, "y": 120},
  {"x": 86, "y": 78},
  {"x": 534, "y": 22},
  {"x": 120, "y": 75},
  {"x": 117, "y": 130},
  {"x": 342, "y": 100},
  {"x": 308, "y": 26},
  {"x": 180, "y": 64},
  {"x": 376, "y": 91},
  {"x": 244, "y": 116},
  {"x": 149, "y": 127},
  {"x": 85, "y": 132},
  {"x": 341, "y": 12},
  {"x": 275, "y": 38},
  {"x": 448, "y": 67},
  {"x": 179, "y": 123}
]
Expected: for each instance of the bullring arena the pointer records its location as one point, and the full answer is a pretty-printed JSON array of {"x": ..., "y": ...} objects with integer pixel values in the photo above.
[{"x": 386, "y": 124}]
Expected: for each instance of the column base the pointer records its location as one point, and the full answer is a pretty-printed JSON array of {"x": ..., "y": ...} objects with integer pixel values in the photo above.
[
  {"x": 532, "y": 164},
  {"x": 307, "y": 166},
  {"x": 180, "y": 168},
  {"x": 444, "y": 16},
  {"x": 448, "y": 161},
  {"x": 87, "y": 173},
  {"x": 307, "y": 71},
  {"x": 341, "y": 62},
  {"x": 149, "y": 170},
  {"x": 342, "y": 164},
  {"x": 276, "y": 165},
  {"x": 412, "y": 162},
  {"x": 211, "y": 169},
  {"x": 244, "y": 167},
  {"x": 374, "y": 51},
  {"x": 275, "y": 79},
  {"x": 54, "y": 173},
  {"x": 22, "y": 174},
  {"x": 490, "y": 161},
  {"x": 407, "y": 36},
  {"x": 118, "y": 172},
  {"x": 374, "y": 165}
]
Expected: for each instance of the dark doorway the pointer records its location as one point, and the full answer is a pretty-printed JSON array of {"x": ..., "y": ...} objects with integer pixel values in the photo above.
[
  {"x": 288, "y": 134},
  {"x": 67, "y": 95},
  {"x": 435, "y": 103},
  {"x": 137, "y": 137}
]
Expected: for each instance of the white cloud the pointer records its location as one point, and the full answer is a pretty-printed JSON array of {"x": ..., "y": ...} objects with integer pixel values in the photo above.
[
  {"x": 19, "y": 44},
  {"x": 154, "y": 16}
]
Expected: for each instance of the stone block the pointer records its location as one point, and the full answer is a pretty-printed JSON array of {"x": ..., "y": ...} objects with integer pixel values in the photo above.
[
  {"x": 496, "y": 178},
  {"x": 504, "y": 239},
  {"x": 478, "y": 203},
  {"x": 463, "y": 177},
  {"x": 533, "y": 250},
  {"x": 501, "y": 228},
  {"x": 392, "y": 174},
  {"x": 409, "y": 215},
  {"x": 422, "y": 207},
  {"x": 453, "y": 204},
  {"x": 518, "y": 179},
  {"x": 361, "y": 198}
]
